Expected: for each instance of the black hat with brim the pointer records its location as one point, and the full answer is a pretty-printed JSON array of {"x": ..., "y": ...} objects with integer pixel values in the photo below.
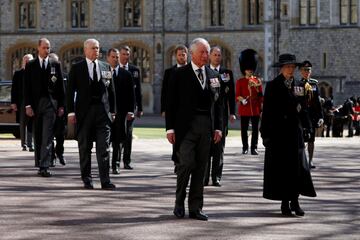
[{"x": 286, "y": 59}]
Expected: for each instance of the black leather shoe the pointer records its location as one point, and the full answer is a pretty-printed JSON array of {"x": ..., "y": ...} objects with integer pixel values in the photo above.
[
  {"x": 88, "y": 185},
  {"x": 216, "y": 183},
  {"x": 31, "y": 149},
  {"x": 285, "y": 209},
  {"x": 254, "y": 152},
  {"x": 179, "y": 212},
  {"x": 116, "y": 171},
  {"x": 108, "y": 186},
  {"x": 24, "y": 148},
  {"x": 44, "y": 173},
  {"x": 245, "y": 151},
  {"x": 127, "y": 166},
  {"x": 199, "y": 215},
  {"x": 62, "y": 160},
  {"x": 294, "y": 206}
]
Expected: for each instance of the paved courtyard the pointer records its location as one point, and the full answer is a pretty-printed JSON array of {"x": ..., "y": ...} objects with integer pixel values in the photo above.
[{"x": 32, "y": 207}]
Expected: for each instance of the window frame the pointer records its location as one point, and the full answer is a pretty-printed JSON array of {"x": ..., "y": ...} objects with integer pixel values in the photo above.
[
  {"x": 18, "y": 15},
  {"x": 123, "y": 14},
  {"x": 255, "y": 12},
  {"x": 309, "y": 11},
  {"x": 87, "y": 15}
]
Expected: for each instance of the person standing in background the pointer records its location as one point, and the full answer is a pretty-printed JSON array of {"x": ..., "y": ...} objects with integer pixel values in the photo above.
[
  {"x": 249, "y": 96},
  {"x": 17, "y": 104}
]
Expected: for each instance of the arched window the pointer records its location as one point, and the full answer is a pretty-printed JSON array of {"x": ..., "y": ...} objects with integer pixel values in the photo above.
[
  {"x": 27, "y": 14},
  {"x": 71, "y": 55},
  {"x": 17, "y": 54}
]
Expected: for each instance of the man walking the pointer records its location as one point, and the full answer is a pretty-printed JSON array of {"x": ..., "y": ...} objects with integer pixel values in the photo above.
[
  {"x": 93, "y": 111},
  {"x": 228, "y": 93},
  {"x": 193, "y": 120},
  {"x": 135, "y": 72},
  {"x": 44, "y": 99},
  {"x": 124, "y": 91}
]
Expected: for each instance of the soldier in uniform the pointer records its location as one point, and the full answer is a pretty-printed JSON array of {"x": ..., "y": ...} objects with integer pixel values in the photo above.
[
  {"x": 311, "y": 107},
  {"x": 249, "y": 95}
]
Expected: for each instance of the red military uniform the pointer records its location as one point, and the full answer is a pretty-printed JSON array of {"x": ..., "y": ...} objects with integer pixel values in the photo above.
[{"x": 249, "y": 89}]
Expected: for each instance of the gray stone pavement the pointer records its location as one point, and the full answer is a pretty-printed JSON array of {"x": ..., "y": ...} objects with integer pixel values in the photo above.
[{"x": 141, "y": 207}]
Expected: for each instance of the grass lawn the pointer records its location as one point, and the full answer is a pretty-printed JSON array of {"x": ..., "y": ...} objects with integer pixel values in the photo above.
[{"x": 149, "y": 133}]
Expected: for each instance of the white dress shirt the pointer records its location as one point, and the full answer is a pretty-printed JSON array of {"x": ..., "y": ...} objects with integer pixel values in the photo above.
[{"x": 90, "y": 65}]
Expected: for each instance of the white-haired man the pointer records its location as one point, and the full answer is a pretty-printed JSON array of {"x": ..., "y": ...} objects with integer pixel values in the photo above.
[
  {"x": 193, "y": 120},
  {"x": 92, "y": 110}
]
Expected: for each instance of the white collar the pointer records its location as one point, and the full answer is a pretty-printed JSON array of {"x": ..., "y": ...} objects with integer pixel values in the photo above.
[{"x": 90, "y": 61}]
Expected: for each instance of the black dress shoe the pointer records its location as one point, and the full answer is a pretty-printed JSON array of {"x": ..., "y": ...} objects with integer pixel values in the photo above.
[
  {"x": 127, "y": 166},
  {"x": 179, "y": 212},
  {"x": 62, "y": 160},
  {"x": 254, "y": 152},
  {"x": 199, "y": 215},
  {"x": 31, "y": 149},
  {"x": 108, "y": 186},
  {"x": 245, "y": 151},
  {"x": 88, "y": 185},
  {"x": 24, "y": 148},
  {"x": 216, "y": 183},
  {"x": 116, "y": 171},
  {"x": 44, "y": 173},
  {"x": 285, "y": 209},
  {"x": 294, "y": 206}
]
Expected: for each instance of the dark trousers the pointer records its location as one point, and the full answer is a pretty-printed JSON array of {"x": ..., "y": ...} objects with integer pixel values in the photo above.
[
  {"x": 95, "y": 126},
  {"x": 127, "y": 146},
  {"x": 193, "y": 154},
  {"x": 244, "y": 122},
  {"x": 25, "y": 128},
  {"x": 118, "y": 137},
  {"x": 216, "y": 160},
  {"x": 59, "y": 133},
  {"x": 44, "y": 121}
]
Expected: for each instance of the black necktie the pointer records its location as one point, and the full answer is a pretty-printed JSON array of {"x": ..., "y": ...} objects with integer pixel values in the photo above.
[
  {"x": 215, "y": 69},
  {"x": 43, "y": 65},
  {"x": 200, "y": 75},
  {"x": 114, "y": 73},
  {"x": 95, "y": 77}
]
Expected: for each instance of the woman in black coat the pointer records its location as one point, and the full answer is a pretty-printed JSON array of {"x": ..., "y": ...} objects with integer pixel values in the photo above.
[{"x": 286, "y": 171}]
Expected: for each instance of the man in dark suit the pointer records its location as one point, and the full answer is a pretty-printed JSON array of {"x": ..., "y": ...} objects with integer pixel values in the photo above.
[
  {"x": 228, "y": 93},
  {"x": 193, "y": 120},
  {"x": 124, "y": 91},
  {"x": 17, "y": 104},
  {"x": 135, "y": 72},
  {"x": 59, "y": 128},
  {"x": 93, "y": 110},
  {"x": 181, "y": 53},
  {"x": 44, "y": 99}
]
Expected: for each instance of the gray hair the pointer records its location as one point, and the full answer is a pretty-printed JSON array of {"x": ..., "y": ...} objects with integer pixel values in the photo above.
[
  {"x": 198, "y": 41},
  {"x": 91, "y": 40}
]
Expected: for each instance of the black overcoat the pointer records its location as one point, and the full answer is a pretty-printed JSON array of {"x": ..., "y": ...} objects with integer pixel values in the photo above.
[{"x": 286, "y": 171}]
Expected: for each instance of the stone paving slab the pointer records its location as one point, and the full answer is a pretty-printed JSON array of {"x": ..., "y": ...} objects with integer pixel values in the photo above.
[{"x": 32, "y": 207}]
